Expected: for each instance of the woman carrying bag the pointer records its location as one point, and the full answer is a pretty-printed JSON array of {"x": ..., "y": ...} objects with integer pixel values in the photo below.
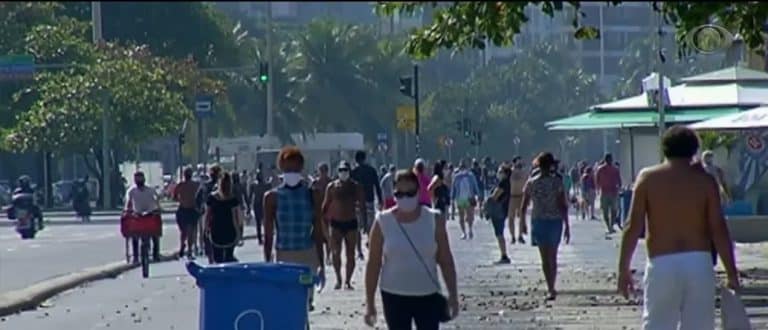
[
  {"x": 224, "y": 219},
  {"x": 496, "y": 208},
  {"x": 409, "y": 241}
]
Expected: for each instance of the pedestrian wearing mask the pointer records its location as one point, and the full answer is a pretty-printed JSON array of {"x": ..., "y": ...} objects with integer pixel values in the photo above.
[
  {"x": 549, "y": 217},
  {"x": 420, "y": 169},
  {"x": 500, "y": 196},
  {"x": 366, "y": 175},
  {"x": 464, "y": 193},
  {"x": 139, "y": 200},
  {"x": 408, "y": 243},
  {"x": 388, "y": 187},
  {"x": 517, "y": 179},
  {"x": 187, "y": 216},
  {"x": 291, "y": 221},
  {"x": 319, "y": 185},
  {"x": 256, "y": 192},
  {"x": 341, "y": 197},
  {"x": 438, "y": 189}
]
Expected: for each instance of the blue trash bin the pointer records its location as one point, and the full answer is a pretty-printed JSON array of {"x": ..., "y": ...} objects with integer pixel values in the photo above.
[{"x": 253, "y": 296}]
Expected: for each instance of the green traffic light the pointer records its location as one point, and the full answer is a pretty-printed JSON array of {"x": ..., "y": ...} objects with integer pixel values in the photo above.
[{"x": 263, "y": 78}]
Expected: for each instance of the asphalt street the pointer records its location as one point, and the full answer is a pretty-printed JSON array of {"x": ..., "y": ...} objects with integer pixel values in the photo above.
[{"x": 59, "y": 250}]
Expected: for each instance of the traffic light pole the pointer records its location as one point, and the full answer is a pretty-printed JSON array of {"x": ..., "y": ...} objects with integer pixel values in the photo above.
[
  {"x": 106, "y": 178},
  {"x": 270, "y": 113},
  {"x": 416, "y": 108}
]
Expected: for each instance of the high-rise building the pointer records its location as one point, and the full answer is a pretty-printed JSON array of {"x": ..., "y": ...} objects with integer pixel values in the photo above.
[
  {"x": 619, "y": 27},
  {"x": 304, "y": 12}
]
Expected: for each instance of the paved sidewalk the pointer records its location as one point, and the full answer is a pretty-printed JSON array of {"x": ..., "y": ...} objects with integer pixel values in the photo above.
[{"x": 512, "y": 296}]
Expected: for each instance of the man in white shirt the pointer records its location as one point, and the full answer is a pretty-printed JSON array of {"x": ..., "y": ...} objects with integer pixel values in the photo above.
[{"x": 140, "y": 199}]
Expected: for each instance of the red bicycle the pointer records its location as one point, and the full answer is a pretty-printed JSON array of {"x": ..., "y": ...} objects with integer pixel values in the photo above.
[{"x": 142, "y": 226}]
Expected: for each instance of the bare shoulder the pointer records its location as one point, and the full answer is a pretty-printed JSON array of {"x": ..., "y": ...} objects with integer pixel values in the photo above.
[{"x": 270, "y": 195}]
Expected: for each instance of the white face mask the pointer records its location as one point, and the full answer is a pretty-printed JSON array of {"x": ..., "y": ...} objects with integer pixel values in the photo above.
[
  {"x": 344, "y": 176},
  {"x": 292, "y": 179},
  {"x": 407, "y": 204}
]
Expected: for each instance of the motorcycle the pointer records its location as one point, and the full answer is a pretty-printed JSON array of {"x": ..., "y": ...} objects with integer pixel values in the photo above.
[
  {"x": 81, "y": 202},
  {"x": 26, "y": 214}
]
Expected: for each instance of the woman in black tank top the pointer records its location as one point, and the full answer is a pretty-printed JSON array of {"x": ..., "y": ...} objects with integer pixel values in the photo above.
[{"x": 441, "y": 194}]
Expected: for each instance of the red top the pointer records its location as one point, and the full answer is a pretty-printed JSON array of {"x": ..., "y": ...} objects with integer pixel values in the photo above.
[{"x": 608, "y": 180}]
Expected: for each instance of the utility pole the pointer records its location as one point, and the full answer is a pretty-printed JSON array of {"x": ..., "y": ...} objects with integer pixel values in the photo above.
[
  {"x": 660, "y": 69},
  {"x": 98, "y": 38},
  {"x": 270, "y": 113},
  {"x": 409, "y": 86},
  {"x": 601, "y": 12},
  {"x": 182, "y": 140},
  {"x": 416, "y": 107}
]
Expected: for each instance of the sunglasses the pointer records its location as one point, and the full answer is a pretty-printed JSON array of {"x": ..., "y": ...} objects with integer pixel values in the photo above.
[
  {"x": 343, "y": 170},
  {"x": 400, "y": 194}
]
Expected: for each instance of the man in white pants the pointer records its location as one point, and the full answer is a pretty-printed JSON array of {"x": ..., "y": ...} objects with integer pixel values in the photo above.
[{"x": 684, "y": 217}]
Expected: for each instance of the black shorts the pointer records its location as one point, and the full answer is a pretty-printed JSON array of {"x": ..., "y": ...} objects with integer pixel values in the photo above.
[
  {"x": 345, "y": 227},
  {"x": 187, "y": 217}
]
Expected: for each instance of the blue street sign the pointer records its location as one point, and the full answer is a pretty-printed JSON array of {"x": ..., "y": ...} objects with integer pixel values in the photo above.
[
  {"x": 17, "y": 67},
  {"x": 204, "y": 106},
  {"x": 382, "y": 138}
]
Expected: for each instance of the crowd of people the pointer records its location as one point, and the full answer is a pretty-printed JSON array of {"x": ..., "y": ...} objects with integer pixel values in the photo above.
[{"x": 401, "y": 215}]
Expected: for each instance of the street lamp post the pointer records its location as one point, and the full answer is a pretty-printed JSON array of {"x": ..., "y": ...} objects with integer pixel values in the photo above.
[
  {"x": 270, "y": 67},
  {"x": 516, "y": 141},
  {"x": 98, "y": 38},
  {"x": 565, "y": 145},
  {"x": 655, "y": 87},
  {"x": 656, "y": 84}
]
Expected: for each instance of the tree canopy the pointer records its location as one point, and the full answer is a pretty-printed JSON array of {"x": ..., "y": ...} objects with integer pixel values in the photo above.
[
  {"x": 143, "y": 95},
  {"x": 469, "y": 24},
  {"x": 513, "y": 99}
]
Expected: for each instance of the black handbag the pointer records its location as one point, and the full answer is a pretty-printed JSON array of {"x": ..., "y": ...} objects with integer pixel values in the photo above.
[{"x": 442, "y": 301}]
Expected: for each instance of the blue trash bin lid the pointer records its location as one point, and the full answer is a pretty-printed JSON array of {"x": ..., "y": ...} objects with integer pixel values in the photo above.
[{"x": 292, "y": 274}]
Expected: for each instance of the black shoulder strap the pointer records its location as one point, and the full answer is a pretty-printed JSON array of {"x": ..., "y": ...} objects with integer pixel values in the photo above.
[{"x": 416, "y": 252}]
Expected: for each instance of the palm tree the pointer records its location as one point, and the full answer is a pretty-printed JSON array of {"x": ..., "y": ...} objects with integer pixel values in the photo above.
[
  {"x": 641, "y": 60},
  {"x": 337, "y": 74}
]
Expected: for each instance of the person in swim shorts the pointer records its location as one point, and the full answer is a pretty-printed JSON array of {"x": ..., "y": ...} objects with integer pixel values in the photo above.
[
  {"x": 678, "y": 205},
  {"x": 464, "y": 193},
  {"x": 341, "y": 198},
  {"x": 517, "y": 179}
]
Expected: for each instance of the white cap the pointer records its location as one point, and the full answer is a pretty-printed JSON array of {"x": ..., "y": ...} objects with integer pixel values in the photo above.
[{"x": 419, "y": 161}]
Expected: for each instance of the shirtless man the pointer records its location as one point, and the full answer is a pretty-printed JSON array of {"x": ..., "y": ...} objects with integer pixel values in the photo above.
[
  {"x": 341, "y": 198},
  {"x": 318, "y": 189},
  {"x": 517, "y": 181},
  {"x": 684, "y": 219},
  {"x": 187, "y": 215}
]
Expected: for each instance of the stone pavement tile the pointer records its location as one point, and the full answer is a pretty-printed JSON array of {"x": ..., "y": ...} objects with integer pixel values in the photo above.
[{"x": 511, "y": 296}]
